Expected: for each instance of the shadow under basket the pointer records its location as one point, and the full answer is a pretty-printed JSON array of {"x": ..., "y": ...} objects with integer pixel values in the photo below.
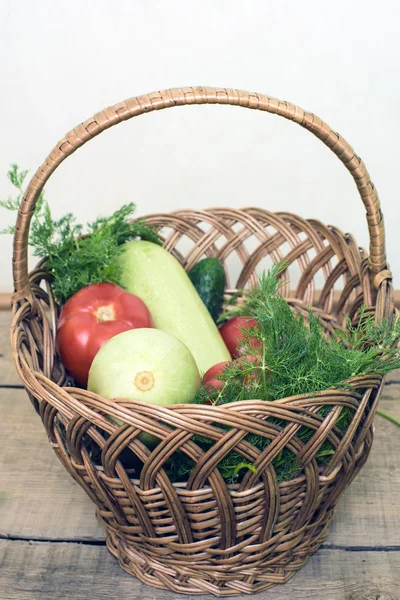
[{"x": 206, "y": 535}]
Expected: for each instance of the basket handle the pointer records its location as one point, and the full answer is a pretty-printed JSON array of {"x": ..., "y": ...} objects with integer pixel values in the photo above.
[{"x": 198, "y": 95}]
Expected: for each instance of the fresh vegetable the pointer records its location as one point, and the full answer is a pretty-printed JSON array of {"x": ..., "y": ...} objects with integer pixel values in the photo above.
[
  {"x": 145, "y": 364},
  {"x": 157, "y": 277},
  {"x": 74, "y": 261},
  {"x": 91, "y": 317},
  {"x": 210, "y": 377},
  {"x": 233, "y": 333},
  {"x": 208, "y": 277}
]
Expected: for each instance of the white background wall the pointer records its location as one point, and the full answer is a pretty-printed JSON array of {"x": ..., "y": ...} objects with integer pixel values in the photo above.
[{"x": 60, "y": 62}]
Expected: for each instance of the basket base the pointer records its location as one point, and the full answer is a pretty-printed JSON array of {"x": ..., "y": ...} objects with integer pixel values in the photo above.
[{"x": 198, "y": 579}]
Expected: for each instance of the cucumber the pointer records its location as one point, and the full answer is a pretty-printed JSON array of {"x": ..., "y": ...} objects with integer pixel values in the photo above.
[
  {"x": 208, "y": 277},
  {"x": 154, "y": 275}
]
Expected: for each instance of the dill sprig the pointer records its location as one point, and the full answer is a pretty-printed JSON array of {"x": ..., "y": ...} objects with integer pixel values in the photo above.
[
  {"x": 294, "y": 356},
  {"x": 77, "y": 256}
]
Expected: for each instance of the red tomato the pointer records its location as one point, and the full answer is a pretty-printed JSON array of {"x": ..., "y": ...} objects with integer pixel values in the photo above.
[
  {"x": 90, "y": 318},
  {"x": 210, "y": 380},
  {"x": 232, "y": 333}
]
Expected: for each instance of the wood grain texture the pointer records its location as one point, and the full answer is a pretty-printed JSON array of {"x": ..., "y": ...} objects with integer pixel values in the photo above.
[
  {"x": 51, "y": 571},
  {"x": 5, "y": 301},
  {"x": 8, "y": 373},
  {"x": 39, "y": 500},
  {"x": 368, "y": 514}
]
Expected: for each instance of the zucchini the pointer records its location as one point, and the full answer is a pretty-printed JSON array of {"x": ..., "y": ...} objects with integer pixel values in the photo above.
[
  {"x": 154, "y": 275},
  {"x": 208, "y": 277}
]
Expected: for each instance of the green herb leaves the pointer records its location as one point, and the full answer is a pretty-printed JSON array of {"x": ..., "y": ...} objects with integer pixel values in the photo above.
[
  {"x": 76, "y": 260},
  {"x": 77, "y": 257},
  {"x": 295, "y": 355}
]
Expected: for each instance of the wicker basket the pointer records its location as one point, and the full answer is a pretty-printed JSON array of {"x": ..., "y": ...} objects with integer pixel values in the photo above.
[{"x": 206, "y": 536}]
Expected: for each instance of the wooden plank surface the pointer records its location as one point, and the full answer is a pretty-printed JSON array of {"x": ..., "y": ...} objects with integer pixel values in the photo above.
[
  {"x": 8, "y": 373},
  {"x": 5, "y": 301},
  {"x": 38, "y": 498},
  {"x": 51, "y": 571}
]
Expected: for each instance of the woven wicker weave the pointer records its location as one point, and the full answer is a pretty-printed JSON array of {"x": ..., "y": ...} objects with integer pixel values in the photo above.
[{"x": 206, "y": 536}]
